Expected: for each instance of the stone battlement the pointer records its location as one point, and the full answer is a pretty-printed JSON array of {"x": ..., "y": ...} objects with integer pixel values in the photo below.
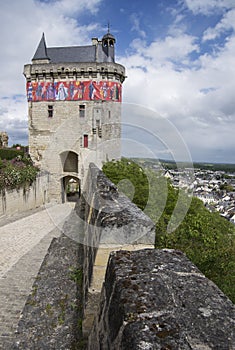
[{"x": 69, "y": 71}]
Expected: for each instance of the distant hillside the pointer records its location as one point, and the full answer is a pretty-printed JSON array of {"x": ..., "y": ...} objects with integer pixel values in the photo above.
[{"x": 169, "y": 164}]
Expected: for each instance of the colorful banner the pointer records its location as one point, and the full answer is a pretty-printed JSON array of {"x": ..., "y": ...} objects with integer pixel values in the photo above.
[{"x": 74, "y": 91}]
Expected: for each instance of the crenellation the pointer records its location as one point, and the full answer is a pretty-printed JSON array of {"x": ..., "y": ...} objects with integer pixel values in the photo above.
[{"x": 92, "y": 70}]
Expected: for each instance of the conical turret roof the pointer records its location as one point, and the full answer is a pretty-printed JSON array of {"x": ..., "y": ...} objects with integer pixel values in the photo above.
[{"x": 41, "y": 52}]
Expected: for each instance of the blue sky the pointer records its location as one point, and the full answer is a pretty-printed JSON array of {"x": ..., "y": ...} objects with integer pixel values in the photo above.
[{"x": 179, "y": 59}]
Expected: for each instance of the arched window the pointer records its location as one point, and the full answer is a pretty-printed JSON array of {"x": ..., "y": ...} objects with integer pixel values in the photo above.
[
  {"x": 105, "y": 43},
  {"x": 69, "y": 161}
]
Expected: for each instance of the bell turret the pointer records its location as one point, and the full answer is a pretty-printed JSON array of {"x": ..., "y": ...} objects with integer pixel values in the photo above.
[{"x": 108, "y": 43}]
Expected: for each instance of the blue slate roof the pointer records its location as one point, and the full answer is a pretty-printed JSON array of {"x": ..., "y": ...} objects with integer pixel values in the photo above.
[{"x": 70, "y": 54}]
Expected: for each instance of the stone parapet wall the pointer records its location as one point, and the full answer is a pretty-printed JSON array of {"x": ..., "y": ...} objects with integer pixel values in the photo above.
[
  {"x": 60, "y": 291},
  {"x": 107, "y": 210},
  {"x": 151, "y": 299},
  {"x": 23, "y": 199},
  {"x": 108, "y": 217},
  {"x": 157, "y": 299},
  {"x": 90, "y": 70}
]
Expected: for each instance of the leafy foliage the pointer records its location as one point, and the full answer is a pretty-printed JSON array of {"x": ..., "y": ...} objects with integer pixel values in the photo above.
[
  {"x": 17, "y": 172},
  {"x": 130, "y": 178},
  {"x": 9, "y": 153},
  {"x": 206, "y": 238}
]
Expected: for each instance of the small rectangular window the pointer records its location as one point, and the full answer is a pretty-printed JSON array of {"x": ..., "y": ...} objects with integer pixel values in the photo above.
[
  {"x": 50, "y": 111},
  {"x": 85, "y": 141},
  {"x": 81, "y": 111}
]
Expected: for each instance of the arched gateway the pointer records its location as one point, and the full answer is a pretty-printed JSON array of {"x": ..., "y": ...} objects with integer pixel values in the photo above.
[
  {"x": 70, "y": 188},
  {"x": 74, "y": 101}
]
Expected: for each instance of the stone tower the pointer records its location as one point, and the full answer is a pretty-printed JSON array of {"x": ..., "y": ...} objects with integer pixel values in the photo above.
[
  {"x": 3, "y": 139},
  {"x": 74, "y": 106}
]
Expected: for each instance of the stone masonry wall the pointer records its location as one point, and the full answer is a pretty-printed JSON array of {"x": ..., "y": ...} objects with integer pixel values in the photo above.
[
  {"x": 52, "y": 316},
  {"x": 50, "y": 137},
  {"x": 151, "y": 299},
  {"x": 157, "y": 299},
  {"x": 16, "y": 201},
  {"x": 109, "y": 218}
]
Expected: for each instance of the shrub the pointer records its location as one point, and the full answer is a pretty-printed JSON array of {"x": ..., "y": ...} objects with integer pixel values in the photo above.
[
  {"x": 8, "y": 153},
  {"x": 16, "y": 173}
]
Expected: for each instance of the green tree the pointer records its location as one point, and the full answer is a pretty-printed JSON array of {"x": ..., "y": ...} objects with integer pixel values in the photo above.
[
  {"x": 206, "y": 238},
  {"x": 130, "y": 179}
]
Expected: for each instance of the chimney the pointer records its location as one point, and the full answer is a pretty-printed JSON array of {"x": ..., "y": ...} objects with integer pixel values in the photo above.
[{"x": 94, "y": 41}]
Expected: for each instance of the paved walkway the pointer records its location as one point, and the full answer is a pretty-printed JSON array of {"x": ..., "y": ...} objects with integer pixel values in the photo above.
[{"x": 23, "y": 246}]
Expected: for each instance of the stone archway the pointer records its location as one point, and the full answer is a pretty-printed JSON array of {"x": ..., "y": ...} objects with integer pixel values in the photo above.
[
  {"x": 69, "y": 160},
  {"x": 70, "y": 188}
]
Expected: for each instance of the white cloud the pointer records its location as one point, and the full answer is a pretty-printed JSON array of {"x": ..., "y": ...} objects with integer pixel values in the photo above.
[
  {"x": 198, "y": 99},
  {"x": 226, "y": 23},
  {"x": 208, "y": 7},
  {"x": 172, "y": 47},
  {"x": 135, "y": 20},
  {"x": 13, "y": 118},
  {"x": 23, "y": 23},
  {"x": 196, "y": 94},
  {"x": 73, "y": 7},
  {"x": 161, "y": 52}
]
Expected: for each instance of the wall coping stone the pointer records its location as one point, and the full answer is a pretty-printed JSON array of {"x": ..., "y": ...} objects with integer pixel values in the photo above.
[{"x": 157, "y": 299}]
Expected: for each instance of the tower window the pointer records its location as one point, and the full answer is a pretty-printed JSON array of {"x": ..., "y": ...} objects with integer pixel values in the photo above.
[
  {"x": 81, "y": 111},
  {"x": 50, "y": 111},
  {"x": 85, "y": 141}
]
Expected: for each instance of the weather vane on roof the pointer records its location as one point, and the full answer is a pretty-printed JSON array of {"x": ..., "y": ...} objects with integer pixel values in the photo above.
[{"x": 108, "y": 27}]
